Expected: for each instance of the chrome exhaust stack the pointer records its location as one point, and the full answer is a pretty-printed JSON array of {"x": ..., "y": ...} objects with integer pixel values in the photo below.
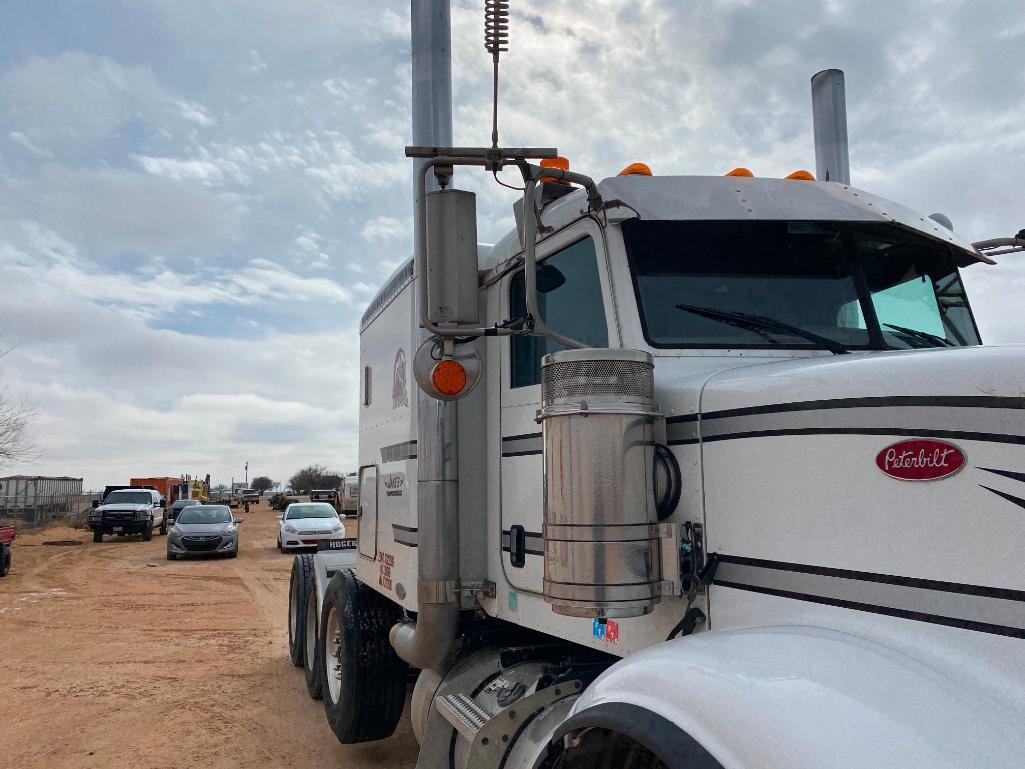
[
  {"x": 427, "y": 641},
  {"x": 829, "y": 115}
]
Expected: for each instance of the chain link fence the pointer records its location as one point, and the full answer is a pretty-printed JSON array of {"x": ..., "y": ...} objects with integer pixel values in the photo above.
[{"x": 31, "y": 511}]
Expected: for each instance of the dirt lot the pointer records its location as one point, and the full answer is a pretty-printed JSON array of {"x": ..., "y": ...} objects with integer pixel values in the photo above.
[{"x": 113, "y": 656}]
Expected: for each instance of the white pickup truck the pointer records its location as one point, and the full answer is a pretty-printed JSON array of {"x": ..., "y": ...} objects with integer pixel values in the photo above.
[{"x": 129, "y": 511}]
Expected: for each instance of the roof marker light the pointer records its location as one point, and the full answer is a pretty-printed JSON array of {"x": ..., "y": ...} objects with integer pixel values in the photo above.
[
  {"x": 449, "y": 377},
  {"x": 556, "y": 162},
  {"x": 740, "y": 171},
  {"x": 802, "y": 175},
  {"x": 636, "y": 169}
]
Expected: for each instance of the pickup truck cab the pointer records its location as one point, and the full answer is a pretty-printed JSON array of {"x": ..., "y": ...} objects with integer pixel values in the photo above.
[{"x": 129, "y": 511}]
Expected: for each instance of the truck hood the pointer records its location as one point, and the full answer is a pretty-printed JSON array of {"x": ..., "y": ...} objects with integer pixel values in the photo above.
[
  {"x": 123, "y": 508},
  {"x": 893, "y": 481},
  {"x": 936, "y": 373}
]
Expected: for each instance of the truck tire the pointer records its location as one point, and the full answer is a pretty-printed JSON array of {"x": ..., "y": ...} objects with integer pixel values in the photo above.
[
  {"x": 302, "y": 575},
  {"x": 5, "y": 559},
  {"x": 312, "y": 657},
  {"x": 364, "y": 680},
  {"x": 147, "y": 533},
  {"x": 97, "y": 535}
]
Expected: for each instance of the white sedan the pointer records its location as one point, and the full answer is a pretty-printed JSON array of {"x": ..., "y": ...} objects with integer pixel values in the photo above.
[{"x": 304, "y": 524}]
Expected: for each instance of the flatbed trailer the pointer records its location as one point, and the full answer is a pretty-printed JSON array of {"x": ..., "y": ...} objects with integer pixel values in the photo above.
[{"x": 7, "y": 537}]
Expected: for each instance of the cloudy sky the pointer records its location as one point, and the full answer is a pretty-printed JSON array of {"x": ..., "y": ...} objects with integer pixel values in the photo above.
[{"x": 199, "y": 197}]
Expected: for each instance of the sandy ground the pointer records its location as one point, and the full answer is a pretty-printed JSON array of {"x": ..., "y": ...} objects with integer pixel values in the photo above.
[{"x": 112, "y": 656}]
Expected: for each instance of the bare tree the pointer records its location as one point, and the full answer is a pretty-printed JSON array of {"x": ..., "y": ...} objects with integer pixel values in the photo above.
[{"x": 15, "y": 445}]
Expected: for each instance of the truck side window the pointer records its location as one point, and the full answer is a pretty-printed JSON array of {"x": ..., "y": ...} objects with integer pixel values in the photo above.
[{"x": 569, "y": 297}]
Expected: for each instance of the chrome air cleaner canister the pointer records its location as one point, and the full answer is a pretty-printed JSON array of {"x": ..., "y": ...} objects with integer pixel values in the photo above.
[{"x": 600, "y": 523}]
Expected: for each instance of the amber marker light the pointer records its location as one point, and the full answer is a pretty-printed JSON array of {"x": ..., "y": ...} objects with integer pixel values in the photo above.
[
  {"x": 740, "y": 171},
  {"x": 557, "y": 162},
  {"x": 449, "y": 377},
  {"x": 802, "y": 176},
  {"x": 636, "y": 169}
]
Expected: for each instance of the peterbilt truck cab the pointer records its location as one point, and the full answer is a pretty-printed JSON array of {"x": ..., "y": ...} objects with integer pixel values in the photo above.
[
  {"x": 129, "y": 511},
  {"x": 684, "y": 471}
]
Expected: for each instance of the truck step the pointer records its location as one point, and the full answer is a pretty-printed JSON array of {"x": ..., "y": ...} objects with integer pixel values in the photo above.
[{"x": 463, "y": 713}]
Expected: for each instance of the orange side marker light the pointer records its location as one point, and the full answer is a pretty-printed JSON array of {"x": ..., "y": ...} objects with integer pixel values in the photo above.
[{"x": 449, "y": 377}]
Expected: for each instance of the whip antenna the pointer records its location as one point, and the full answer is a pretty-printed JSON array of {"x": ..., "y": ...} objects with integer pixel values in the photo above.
[{"x": 496, "y": 40}]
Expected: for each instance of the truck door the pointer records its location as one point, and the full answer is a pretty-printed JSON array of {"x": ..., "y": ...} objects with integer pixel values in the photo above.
[
  {"x": 572, "y": 295},
  {"x": 366, "y": 515}
]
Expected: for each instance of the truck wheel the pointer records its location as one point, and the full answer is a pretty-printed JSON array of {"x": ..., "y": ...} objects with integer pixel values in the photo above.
[
  {"x": 147, "y": 533},
  {"x": 5, "y": 560},
  {"x": 302, "y": 575},
  {"x": 312, "y": 657},
  {"x": 97, "y": 535},
  {"x": 163, "y": 525},
  {"x": 364, "y": 680}
]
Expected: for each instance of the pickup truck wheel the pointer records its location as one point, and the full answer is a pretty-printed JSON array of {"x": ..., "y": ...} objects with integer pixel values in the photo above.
[
  {"x": 5, "y": 559},
  {"x": 312, "y": 653},
  {"x": 147, "y": 533},
  {"x": 365, "y": 681},
  {"x": 97, "y": 535},
  {"x": 302, "y": 575},
  {"x": 163, "y": 525}
]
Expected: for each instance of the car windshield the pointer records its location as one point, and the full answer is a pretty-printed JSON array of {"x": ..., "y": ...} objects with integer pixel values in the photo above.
[
  {"x": 316, "y": 510},
  {"x": 205, "y": 514},
  {"x": 128, "y": 498},
  {"x": 795, "y": 284},
  {"x": 179, "y": 504}
]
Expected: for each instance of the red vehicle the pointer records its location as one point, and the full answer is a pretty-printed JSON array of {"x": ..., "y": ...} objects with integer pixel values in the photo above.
[{"x": 7, "y": 535}]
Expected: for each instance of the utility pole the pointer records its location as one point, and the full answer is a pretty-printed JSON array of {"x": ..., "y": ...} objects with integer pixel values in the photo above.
[{"x": 247, "y": 475}]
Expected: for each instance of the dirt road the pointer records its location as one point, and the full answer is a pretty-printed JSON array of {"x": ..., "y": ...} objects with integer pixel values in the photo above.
[{"x": 112, "y": 656}]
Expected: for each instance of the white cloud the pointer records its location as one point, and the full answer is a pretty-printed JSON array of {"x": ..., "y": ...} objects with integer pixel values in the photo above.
[
  {"x": 386, "y": 228},
  {"x": 23, "y": 141}
]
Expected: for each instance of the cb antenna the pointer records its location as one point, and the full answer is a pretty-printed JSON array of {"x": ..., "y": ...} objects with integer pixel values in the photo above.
[{"x": 496, "y": 40}]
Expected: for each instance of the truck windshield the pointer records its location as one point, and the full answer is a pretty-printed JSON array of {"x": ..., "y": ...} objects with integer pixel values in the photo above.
[
  {"x": 800, "y": 285},
  {"x": 128, "y": 498}
]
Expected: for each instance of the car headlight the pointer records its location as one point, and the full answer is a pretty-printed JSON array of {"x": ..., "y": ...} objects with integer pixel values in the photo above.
[
  {"x": 230, "y": 530},
  {"x": 291, "y": 530},
  {"x": 338, "y": 526}
]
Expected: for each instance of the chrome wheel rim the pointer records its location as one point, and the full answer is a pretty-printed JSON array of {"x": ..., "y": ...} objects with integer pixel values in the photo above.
[
  {"x": 332, "y": 654},
  {"x": 311, "y": 633}
]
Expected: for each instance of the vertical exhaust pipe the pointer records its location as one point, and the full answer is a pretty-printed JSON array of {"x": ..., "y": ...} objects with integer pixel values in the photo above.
[
  {"x": 426, "y": 642},
  {"x": 829, "y": 114}
]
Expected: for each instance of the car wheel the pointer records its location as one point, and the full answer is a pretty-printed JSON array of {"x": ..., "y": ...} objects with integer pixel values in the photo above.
[
  {"x": 364, "y": 680},
  {"x": 234, "y": 553},
  {"x": 172, "y": 556},
  {"x": 5, "y": 560},
  {"x": 302, "y": 575},
  {"x": 97, "y": 535},
  {"x": 163, "y": 525},
  {"x": 281, "y": 548},
  {"x": 312, "y": 658}
]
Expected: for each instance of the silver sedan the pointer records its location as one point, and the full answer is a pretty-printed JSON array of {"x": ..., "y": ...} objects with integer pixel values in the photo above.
[{"x": 204, "y": 529}]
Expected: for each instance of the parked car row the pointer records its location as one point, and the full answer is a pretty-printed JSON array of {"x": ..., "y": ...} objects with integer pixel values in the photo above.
[{"x": 199, "y": 528}]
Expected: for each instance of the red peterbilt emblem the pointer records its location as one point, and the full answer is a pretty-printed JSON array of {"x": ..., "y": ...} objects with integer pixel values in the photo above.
[{"x": 921, "y": 459}]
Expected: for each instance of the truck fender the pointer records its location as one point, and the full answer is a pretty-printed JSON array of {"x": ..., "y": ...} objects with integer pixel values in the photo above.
[{"x": 798, "y": 698}]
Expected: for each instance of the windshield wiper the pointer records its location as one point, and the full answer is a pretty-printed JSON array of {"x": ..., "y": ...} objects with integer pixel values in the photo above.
[
  {"x": 923, "y": 336},
  {"x": 760, "y": 323}
]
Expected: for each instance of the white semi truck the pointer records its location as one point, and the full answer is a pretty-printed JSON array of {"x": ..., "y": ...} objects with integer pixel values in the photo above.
[{"x": 685, "y": 472}]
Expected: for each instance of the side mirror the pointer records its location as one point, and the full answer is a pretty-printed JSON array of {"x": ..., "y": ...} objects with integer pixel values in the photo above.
[
  {"x": 451, "y": 258},
  {"x": 281, "y": 517},
  {"x": 96, "y": 503},
  {"x": 239, "y": 520},
  {"x": 163, "y": 503}
]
